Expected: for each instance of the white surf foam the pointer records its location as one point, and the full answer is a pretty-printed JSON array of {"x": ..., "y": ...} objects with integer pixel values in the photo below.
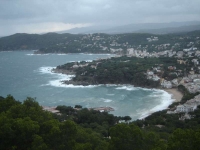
[
  {"x": 37, "y": 54},
  {"x": 46, "y": 70},
  {"x": 111, "y": 85},
  {"x": 45, "y": 54},
  {"x": 128, "y": 88},
  {"x": 106, "y": 100},
  {"x": 44, "y": 85},
  {"x": 95, "y": 54},
  {"x": 88, "y": 60},
  {"x": 58, "y": 82},
  {"x": 61, "y": 54},
  {"x": 165, "y": 101}
]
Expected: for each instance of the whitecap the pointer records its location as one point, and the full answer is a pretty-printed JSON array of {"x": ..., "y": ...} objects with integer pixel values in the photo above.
[
  {"x": 61, "y": 54},
  {"x": 106, "y": 100},
  {"x": 95, "y": 54},
  {"x": 88, "y": 60},
  {"x": 153, "y": 95},
  {"x": 111, "y": 85},
  {"x": 60, "y": 78},
  {"x": 165, "y": 101},
  {"x": 44, "y": 85},
  {"x": 59, "y": 83},
  {"x": 37, "y": 54},
  {"x": 128, "y": 88},
  {"x": 46, "y": 70}
]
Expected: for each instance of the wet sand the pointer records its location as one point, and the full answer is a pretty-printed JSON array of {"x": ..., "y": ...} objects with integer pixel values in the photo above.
[{"x": 175, "y": 94}]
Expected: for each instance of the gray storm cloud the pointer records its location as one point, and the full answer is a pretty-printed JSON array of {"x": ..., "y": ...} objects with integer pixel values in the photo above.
[{"x": 43, "y": 15}]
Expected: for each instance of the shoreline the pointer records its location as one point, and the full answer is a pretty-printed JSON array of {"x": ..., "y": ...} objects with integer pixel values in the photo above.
[{"x": 175, "y": 94}]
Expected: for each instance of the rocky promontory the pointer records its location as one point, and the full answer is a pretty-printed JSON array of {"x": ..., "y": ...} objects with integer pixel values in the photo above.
[{"x": 63, "y": 71}]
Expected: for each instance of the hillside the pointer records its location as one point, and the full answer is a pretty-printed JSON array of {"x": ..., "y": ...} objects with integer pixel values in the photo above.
[
  {"x": 96, "y": 43},
  {"x": 23, "y": 41}
]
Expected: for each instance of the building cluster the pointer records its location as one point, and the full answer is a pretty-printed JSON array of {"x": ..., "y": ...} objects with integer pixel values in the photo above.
[
  {"x": 102, "y": 109},
  {"x": 187, "y": 107},
  {"x": 123, "y": 45},
  {"x": 192, "y": 83},
  {"x": 152, "y": 38},
  {"x": 188, "y": 78},
  {"x": 51, "y": 109},
  {"x": 131, "y": 52}
]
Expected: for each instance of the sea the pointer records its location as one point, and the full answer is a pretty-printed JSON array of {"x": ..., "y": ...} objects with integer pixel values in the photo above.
[{"x": 25, "y": 74}]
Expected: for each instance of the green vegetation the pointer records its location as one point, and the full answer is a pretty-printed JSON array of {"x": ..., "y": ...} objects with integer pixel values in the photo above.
[
  {"x": 165, "y": 124},
  {"x": 122, "y": 70},
  {"x": 97, "y": 43},
  {"x": 26, "y": 126},
  {"x": 22, "y": 41}
]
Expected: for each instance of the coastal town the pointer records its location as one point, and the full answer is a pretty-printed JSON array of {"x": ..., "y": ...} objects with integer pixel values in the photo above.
[
  {"x": 132, "y": 44},
  {"x": 185, "y": 54},
  {"x": 172, "y": 67},
  {"x": 99, "y": 75}
]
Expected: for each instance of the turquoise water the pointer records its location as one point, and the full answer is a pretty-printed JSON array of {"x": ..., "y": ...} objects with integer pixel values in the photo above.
[{"x": 23, "y": 74}]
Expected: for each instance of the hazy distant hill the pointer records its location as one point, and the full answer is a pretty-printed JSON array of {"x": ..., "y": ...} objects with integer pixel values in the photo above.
[
  {"x": 76, "y": 43},
  {"x": 155, "y": 28},
  {"x": 23, "y": 41},
  {"x": 171, "y": 30}
]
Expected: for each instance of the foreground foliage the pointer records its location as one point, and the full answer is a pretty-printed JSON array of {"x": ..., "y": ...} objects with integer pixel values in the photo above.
[{"x": 26, "y": 126}]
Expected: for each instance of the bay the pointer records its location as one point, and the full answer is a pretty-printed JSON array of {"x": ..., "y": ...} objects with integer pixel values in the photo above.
[{"x": 23, "y": 74}]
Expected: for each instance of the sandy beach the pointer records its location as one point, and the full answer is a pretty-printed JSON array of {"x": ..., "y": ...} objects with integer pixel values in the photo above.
[{"x": 175, "y": 94}]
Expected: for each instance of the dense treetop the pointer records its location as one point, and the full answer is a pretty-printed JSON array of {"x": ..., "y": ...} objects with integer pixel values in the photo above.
[
  {"x": 121, "y": 70},
  {"x": 25, "y": 125}
]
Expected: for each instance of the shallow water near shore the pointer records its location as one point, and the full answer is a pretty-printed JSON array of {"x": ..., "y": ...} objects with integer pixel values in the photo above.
[{"x": 24, "y": 74}]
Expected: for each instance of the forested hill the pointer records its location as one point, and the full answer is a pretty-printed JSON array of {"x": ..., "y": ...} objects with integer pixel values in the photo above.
[
  {"x": 23, "y": 41},
  {"x": 97, "y": 43},
  {"x": 120, "y": 70}
]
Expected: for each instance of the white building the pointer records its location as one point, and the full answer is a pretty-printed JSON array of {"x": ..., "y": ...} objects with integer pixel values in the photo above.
[
  {"x": 130, "y": 51},
  {"x": 150, "y": 73},
  {"x": 175, "y": 82},
  {"x": 185, "y": 108},
  {"x": 166, "y": 84},
  {"x": 155, "y": 78}
]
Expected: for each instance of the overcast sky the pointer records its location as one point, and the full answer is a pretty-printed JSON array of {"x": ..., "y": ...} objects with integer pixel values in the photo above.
[{"x": 38, "y": 16}]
